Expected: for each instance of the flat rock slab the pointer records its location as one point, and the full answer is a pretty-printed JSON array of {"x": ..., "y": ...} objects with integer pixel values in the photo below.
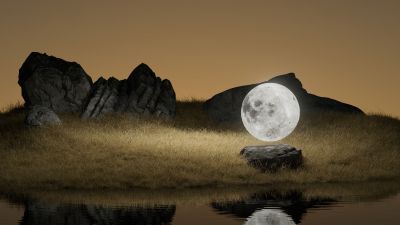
[{"x": 273, "y": 157}]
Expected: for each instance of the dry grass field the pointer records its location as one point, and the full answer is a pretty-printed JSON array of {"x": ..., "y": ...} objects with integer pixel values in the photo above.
[{"x": 122, "y": 152}]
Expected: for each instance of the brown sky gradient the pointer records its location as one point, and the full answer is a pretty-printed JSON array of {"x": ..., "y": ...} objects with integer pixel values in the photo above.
[{"x": 347, "y": 50}]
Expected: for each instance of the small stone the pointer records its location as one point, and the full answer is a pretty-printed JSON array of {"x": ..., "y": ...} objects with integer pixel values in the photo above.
[
  {"x": 41, "y": 116},
  {"x": 273, "y": 157}
]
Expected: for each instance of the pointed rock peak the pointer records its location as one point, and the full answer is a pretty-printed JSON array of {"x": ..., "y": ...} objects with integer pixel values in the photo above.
[
  {"x": 143, "y": 65},
  {"x": 290, "y": 81},
  {"x": 113, "y": 79},
  {"x": 142, "y": 69},
  {"x": 141, "y": 74},
  {"x": 100, "y": 80}
]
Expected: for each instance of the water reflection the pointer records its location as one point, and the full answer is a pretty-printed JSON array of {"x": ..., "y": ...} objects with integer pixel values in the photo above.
[
  {"x": 39, "y": 213},
  {"x": 269, "y": 217},
  {"x": 292, "y": 204},
  {"x": 274, "y": 206},
  {"x": 267, "y": 208}
]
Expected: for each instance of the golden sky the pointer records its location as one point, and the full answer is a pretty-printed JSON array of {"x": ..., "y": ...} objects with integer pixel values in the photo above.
[{"x": 346, "y": 50}]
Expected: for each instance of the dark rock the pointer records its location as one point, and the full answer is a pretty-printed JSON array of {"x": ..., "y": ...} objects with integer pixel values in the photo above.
[
  {"x": 41, "y": 116},
  {"x": 272, "y": 157},
  {"x": 49, "y": 81},
  {"x": 152, "y": 95},
  {"x": 166, "y": 101},
  {"x": 143, "y": 93},
  {"x": 65, "y": 87},
  {"x": 226, "y": 106},
  {"x": 102, "y": 99}
]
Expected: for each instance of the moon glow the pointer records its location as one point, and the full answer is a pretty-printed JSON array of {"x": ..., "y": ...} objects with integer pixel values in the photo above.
[{"x": 270, "y": 112}]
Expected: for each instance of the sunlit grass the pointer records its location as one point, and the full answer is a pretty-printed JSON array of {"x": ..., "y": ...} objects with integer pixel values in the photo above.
[{"x": 123, "y": 152}]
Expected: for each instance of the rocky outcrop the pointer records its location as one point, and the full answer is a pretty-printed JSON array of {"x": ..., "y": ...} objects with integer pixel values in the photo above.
[
  {"x": 143, "y": 93},
  {"x": 52, "y": 85},
  {"x": 55, "y": 83},
  {"x": 102, "y": 99},
  {"x": 40, "y": 116},
  {"x": 226, "y": 106},
  {"x": 273, "y": 157}
]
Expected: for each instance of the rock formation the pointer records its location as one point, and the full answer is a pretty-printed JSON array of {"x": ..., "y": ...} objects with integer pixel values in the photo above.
[
  {"x": 142, "y": 93},
  {"x": 226, "y": 106},
  {"x": 52, "y": 82},
  {"x": 51, "y": 85},
  {"x": 273, "y": 157},
  {"x": 41, "y": 115}
]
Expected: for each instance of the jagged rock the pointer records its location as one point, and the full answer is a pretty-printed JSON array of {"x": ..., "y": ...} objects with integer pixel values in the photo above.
[
  {"x": 143, "y": 93},
  {"x": 65, "y": 87},
  {"x": 149, "y": 94},
  {"x": 40, "y": 116},
  {"x": 166, "y": 101},
  {"x": 226, "y": 106},
  {"x": 49, "y": 81},
  {"x": 102, "y": 99},
  {"x": 272, "y": 157}
]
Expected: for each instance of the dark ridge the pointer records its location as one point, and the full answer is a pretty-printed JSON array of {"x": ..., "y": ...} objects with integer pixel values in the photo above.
[{"x": 225, "y": 106}]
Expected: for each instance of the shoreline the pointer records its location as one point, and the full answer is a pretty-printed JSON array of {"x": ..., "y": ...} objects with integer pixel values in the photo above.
[{"x": 365, "y": 191}]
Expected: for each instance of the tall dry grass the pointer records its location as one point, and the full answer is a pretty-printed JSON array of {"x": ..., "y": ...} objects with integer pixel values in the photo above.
[{"x": 122, "y": 152}]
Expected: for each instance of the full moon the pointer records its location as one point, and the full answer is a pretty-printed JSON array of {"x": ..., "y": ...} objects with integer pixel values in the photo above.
[{"x": 270, "y": 112}]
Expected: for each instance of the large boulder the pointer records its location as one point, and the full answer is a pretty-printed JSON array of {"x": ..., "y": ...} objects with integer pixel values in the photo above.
[
  {"x": 55, "y": 83},
  {"x": 143, "y": 93},
  {"x": 40, "y": 116},
  {"x": 273, "y": 157},
  {"x": 226, "y": 106}
]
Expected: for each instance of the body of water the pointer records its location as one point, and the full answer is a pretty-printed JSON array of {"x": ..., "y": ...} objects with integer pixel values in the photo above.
[{"x": 266, "y": 208}]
